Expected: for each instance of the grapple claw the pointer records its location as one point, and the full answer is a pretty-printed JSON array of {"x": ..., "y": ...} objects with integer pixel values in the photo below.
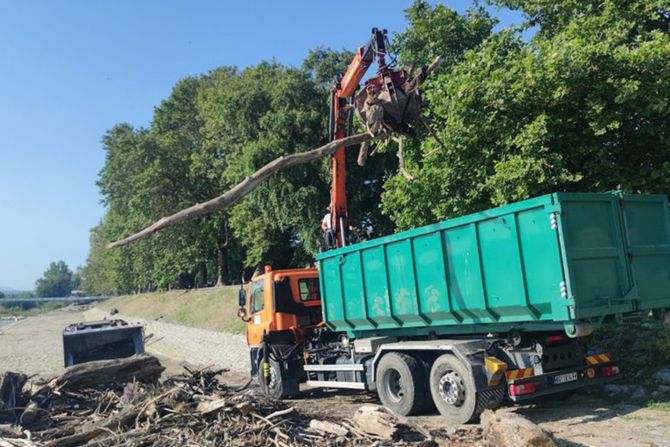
[{"x": 390, "y": 103}]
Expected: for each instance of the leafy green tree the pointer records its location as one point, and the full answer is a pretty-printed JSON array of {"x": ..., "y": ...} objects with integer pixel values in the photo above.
[
  {"x": 440, "y": 31},
  {"x": 583, "y": 106},
  {"x": 325, "y": 64},
  {"x": 553, "y": 16},
  {"x": 56, "y": 281},
  {"x": 253, "y": 117},
  {"x": 97, "y": 275},
  {"x": 2, "y": 295},
  {"x": 76, "y": 279}
]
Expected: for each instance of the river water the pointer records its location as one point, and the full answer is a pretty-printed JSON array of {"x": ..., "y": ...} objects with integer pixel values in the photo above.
[{"x": 5, "y": 322}]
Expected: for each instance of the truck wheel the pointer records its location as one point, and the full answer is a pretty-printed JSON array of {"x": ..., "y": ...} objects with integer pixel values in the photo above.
[
  {"x": 453, "y": 390},
  {"x": 278, "y": 385},
  {"x": 401, "y": 383}
]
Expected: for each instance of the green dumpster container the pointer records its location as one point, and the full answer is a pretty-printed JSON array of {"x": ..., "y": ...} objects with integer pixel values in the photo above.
[{"x": 560, "y": 261}]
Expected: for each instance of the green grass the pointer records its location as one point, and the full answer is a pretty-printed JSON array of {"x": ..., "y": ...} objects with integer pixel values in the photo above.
[
  {"x": 659, "y": 405},
  {"x": 212, "y": 308},
  {"x": 640, "y": 349}
]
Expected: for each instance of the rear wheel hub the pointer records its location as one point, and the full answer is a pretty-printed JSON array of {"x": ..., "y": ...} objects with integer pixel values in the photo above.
[
  {"x": 393, "y": 385},
  {"x": 452, "y": 389}
]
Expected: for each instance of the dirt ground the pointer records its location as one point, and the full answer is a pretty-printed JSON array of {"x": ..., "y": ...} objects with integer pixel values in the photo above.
[
  {"x": 33, "y": 346},
  {"x": 579, "y": 421}
]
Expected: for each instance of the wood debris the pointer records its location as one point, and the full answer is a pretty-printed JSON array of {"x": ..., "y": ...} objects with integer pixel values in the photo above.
[
  {"x": 376, "y": 420},
  {"x": 143, "y": 368},
  {"x": 191, "y": 409}
]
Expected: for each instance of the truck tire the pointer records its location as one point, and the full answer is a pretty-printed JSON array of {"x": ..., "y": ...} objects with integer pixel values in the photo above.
[
  {"x": 453, "y": 389},
  {"x": 401, "y": 383},
  {"x": 278, "y": 386}
]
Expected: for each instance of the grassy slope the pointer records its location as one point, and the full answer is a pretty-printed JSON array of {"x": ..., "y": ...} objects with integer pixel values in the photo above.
[{"x": 212, "y": 308}]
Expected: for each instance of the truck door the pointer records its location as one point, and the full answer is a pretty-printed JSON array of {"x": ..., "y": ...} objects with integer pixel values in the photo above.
[{"x": 260, "y": 313}]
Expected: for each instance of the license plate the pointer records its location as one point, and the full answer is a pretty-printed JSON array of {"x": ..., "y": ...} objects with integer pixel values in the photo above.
[{"x": 565, "y": 378}]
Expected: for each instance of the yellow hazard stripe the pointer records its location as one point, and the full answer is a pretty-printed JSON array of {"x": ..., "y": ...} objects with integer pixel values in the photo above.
[
  {"x": 598, "y": 358},
  {"x": 515, "y": 374}
]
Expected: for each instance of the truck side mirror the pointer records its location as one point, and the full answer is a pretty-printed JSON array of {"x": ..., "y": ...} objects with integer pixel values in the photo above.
[
  {"x": 242, "y": 297},
  {"x": 242, "y": 314}
]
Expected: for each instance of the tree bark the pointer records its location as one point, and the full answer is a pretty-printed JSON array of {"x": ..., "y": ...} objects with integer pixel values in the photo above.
[
  {"x": 143, "y": 368},
  {"x": 10, "y": 390},
  {"x": 202, "y": 276},
  {"x": 222, "y": 266},
  {"x": 116, "y": 423},
  {"x": 222, "y": 256},
  {"x": 243, "y": 188}
]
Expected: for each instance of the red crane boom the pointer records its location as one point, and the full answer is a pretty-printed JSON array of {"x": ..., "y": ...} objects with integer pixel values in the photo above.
[{"x": 342, "y": 96}]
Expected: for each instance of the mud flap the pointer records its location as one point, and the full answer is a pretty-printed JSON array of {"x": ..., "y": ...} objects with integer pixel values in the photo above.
[{"x": 101, "y": 340}]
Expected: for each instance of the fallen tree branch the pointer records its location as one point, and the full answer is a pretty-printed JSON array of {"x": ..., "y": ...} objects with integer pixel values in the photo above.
[
  {"x": 118, "y": 422},
  {"x": 401, "y": 160},
  {"x": 100, "y": 372},
  {"x": 243, "y": 188}
]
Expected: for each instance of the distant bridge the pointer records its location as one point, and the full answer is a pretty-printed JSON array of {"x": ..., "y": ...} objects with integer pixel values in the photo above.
[{"x": 69, "y": 299}]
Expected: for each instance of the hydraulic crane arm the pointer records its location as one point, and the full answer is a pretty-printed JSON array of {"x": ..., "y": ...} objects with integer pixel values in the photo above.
[
  {"x": 342, "y": 96},
  {"x": 361, "y": 62}
]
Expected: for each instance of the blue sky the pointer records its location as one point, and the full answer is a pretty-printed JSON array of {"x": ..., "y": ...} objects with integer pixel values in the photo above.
[{"x": 71, "y": 70}]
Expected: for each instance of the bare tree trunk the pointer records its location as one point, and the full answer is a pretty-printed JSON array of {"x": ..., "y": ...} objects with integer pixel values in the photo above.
[
  {"x": 222, "y": 274},
  {"x": 222, "y": 249},
  {"x": 243, "y": 188},
  {"x": 202, "y": 273}
]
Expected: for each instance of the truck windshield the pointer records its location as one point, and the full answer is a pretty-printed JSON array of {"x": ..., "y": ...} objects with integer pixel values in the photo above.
[
  {"x": 309, "y": 289},
  {"x": 257, "y": 296}
]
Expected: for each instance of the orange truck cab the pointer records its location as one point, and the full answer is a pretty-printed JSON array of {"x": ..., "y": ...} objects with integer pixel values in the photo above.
[{"x": 278, "y": 305}]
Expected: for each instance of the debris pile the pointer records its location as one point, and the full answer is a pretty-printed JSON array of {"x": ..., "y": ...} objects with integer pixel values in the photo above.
[{"x": 121, "y": 402}]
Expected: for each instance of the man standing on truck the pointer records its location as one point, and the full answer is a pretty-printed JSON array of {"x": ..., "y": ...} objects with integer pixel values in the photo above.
[{"x": 327, "y": 228}]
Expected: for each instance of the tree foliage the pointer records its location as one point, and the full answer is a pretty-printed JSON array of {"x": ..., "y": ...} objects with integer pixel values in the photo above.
[
  {"x": 583, "y": 106},
  {"x": 56, "y": 281},
  {"x": 209, "y": 134}
]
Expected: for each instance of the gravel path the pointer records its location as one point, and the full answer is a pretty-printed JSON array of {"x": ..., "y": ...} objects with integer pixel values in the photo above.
[
  {"x": 198, "y": 347},
  {"x": 34, "y": 345}
]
